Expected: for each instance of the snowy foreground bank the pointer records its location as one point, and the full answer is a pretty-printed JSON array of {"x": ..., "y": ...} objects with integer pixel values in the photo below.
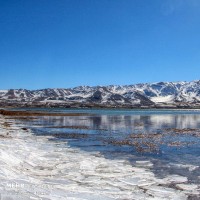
[{"x": 31, "y": 167}]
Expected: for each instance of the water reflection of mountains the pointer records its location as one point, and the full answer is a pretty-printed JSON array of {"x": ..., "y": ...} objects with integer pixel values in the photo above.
[{"x": 126, "y": 123}]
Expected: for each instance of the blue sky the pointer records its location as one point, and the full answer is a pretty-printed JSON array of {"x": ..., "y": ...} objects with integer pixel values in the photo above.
[{"x": 66, "y": 43}]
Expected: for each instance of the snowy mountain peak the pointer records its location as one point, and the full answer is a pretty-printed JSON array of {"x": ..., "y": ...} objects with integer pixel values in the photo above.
[{"x": 147, "y": 94}]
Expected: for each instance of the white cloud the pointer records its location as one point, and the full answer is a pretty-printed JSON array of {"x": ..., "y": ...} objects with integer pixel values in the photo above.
[{"x": 170, "y": 6}]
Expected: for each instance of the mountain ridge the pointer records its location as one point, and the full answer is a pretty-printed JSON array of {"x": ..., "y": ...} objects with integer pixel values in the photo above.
[{"x": 149, "y": 95}]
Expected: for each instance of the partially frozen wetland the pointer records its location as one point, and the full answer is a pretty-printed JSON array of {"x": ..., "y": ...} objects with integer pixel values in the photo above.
[{"x": 105, "y": 155}]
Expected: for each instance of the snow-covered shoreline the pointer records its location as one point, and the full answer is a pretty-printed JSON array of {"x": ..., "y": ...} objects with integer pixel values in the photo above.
[{"x": 31, "y": 167}]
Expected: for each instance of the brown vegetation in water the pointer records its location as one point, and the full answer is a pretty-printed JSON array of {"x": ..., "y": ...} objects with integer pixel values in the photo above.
[
  {"x": 151, "y": 142},
  {"x": 25, "y": 118},
  {"x": 145, "y": 135},
  {"x": 140, "y": 146},
  {"x": 69, "y": 127},
  {"x": 70, "y": 135},
  {"x": 31, "y": 113},
  {"x": 120, "y": 142},
  {"x": 179, "y": 144},
  {"x": 185, "y": 131}
]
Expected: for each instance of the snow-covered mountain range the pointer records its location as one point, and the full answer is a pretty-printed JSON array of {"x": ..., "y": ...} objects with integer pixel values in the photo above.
[{"x": 161, "y": 94}]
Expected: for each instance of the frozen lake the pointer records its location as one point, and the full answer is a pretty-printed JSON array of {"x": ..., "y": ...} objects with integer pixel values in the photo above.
[{"x": 104, "y": 154}]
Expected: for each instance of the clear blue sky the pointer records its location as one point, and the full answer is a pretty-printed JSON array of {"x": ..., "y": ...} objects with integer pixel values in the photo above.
[{"x": 66, "y": 43}]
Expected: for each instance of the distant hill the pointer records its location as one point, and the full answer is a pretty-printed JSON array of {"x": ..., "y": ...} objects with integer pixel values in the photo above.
[{"x": 147, "y": 95}]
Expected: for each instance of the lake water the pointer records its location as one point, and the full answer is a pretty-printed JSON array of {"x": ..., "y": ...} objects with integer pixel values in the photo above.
[{"x": 170, "y": 139}]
